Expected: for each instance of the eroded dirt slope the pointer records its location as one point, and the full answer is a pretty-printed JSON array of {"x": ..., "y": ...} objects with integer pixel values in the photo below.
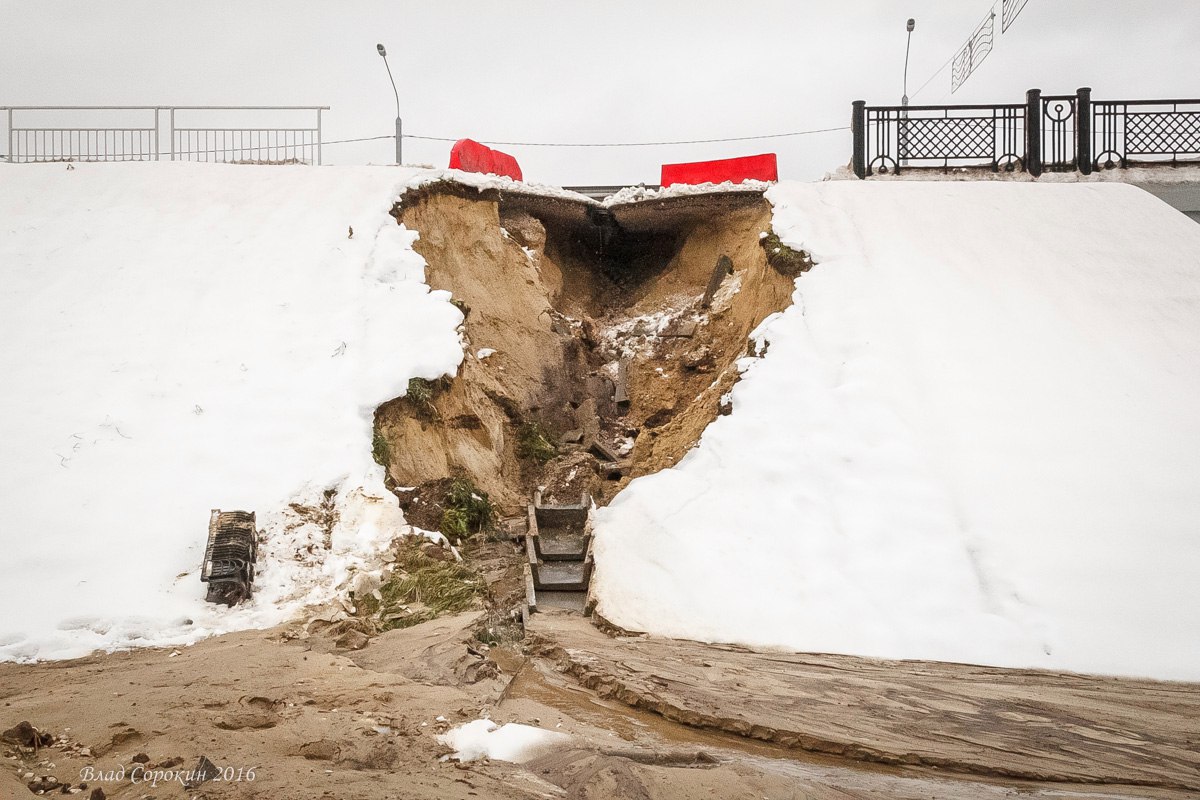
[{"x": 602, "y": 333}]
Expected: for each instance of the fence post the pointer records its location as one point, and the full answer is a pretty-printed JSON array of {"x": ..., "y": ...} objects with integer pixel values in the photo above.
[
  {"x": 1083, "y": 131},
  {"x": 858, "y": 130},
  {"x": 171, "y": 133},
  {"x": 1033, "y": 132},
  {"x": 319, "y": 142}
]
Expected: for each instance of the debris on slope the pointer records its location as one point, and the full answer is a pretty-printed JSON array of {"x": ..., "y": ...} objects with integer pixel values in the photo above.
[{"x": 600, "y": 351}]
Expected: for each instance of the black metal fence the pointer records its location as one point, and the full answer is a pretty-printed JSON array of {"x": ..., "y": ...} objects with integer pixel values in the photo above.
[{"x": 1045, "y": 133}]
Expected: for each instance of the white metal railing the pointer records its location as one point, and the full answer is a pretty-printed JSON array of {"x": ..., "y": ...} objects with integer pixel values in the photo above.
[{"x": 228, "y": 134}]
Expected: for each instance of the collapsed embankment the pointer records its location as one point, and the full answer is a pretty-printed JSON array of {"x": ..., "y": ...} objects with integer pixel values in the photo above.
[{"x": 599, "y": 341}]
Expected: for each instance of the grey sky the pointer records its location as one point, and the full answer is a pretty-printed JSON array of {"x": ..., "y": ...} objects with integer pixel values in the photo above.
[{"x": 606, "y": 70}]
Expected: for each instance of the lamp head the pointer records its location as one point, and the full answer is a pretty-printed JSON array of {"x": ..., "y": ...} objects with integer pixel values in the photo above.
[
  {"x": 383, "y": 52},
  {"x": 912, "y": 23}
]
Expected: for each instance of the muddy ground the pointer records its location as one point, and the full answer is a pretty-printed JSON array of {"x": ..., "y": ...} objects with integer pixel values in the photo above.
[{"x": 318, "y": 722}]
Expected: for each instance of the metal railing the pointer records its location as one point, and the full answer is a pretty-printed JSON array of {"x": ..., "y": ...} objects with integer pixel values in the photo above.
[
  {"x": 1046, "y": 133},
  {"x": 944, "y": 136},
  {"x": 228, "y": 134},
  {"x": 1125, "y": 131}
]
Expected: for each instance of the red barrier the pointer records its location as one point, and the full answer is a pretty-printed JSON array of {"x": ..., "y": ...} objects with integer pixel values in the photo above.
[
  {"x": 471, "y": 156},
  {"x": 746, "y": 168}
]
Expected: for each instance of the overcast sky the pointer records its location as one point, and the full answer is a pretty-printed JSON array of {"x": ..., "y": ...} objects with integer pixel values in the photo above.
[{"x": 604, "y": 70}]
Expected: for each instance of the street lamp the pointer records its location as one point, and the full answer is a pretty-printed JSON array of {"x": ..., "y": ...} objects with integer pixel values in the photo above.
[
  {"x": 399, "y": 134},
  {"x": 912, "y": 23},
  {"x": 903, "y": 130}
]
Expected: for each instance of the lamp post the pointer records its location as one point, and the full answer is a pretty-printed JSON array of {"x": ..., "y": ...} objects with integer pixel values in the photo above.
[
  {"x": 399, "y": 132},
  {"x": 912, "y": 23}
]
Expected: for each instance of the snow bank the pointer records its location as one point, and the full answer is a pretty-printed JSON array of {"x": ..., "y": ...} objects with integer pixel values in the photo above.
[
  {"x": 512, "y": 742},
  {"x": 637, "y": 194},
  {"x": 180, "y": 337},
  {"x": 974, "y": 437}
]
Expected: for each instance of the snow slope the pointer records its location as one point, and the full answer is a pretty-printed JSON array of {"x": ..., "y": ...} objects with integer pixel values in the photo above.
[
  {"x": 180, "y": 337},
  {"x": 974, "y": 437}
]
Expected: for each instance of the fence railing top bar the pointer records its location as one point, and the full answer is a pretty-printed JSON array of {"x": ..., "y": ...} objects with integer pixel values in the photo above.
[
  {"x": 79, "y": 108},
  {"x": 178, "y": 129},
  {"x": 17, "y": 129},
  {"x": 164, "y": 108},
  {"x": 246, "y": 108},
  {"x": 986, "y": 107},
  {"x": 1181, "y": 102}
]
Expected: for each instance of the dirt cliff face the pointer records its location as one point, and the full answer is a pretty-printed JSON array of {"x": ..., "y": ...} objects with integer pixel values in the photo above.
[{"x": 606, "y": 334}]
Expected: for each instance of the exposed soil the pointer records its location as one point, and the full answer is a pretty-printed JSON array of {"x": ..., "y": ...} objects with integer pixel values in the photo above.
[
  {"x": 314, "y": 722},
  {"x": 567, "y": 305},
  {"x": 984, "y": 721}
]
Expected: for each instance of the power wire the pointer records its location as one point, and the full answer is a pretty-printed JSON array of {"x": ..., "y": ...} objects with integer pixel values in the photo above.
[
  {"x": 633, "y": 144},
  {"x": 300, "y": 145},
  {"x": 280, "y": 146}
]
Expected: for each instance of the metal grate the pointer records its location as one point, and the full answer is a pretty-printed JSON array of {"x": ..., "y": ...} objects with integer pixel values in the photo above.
[
  {"x": 1162, "y": 133},
  {"x": 1056, "y": 133},
  {"x": 942, "y": 136},
  {"x": 971, "y": 137},
  {"x": 230, "y": 134}
]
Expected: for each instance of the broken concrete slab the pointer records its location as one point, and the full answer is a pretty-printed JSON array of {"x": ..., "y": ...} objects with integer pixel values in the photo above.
[
  {"x": 588, "y": 419},
  {"x": 602, "y": 451},
  {"x": 680, "y": 329},
  {"x": 723, "y": 269},
  {"x": 621, "y": 385}
]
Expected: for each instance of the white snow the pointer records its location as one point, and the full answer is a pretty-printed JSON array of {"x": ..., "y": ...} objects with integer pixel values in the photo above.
[
  {"x": 974, "y": 437},
  {"x": 1183, "y": 173},
  {"x": 636, "y": 194},
  {"x": 481, "y": 738},
  {"x": 487, "y": 181},
  {"x": 181, "y": 337}
]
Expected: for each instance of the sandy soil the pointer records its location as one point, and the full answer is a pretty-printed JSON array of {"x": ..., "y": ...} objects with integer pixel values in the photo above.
[
  {"x": 961, "y": 718},
  {"x": 554, "y": 312},
  {"x": 318, "y": 723}
]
